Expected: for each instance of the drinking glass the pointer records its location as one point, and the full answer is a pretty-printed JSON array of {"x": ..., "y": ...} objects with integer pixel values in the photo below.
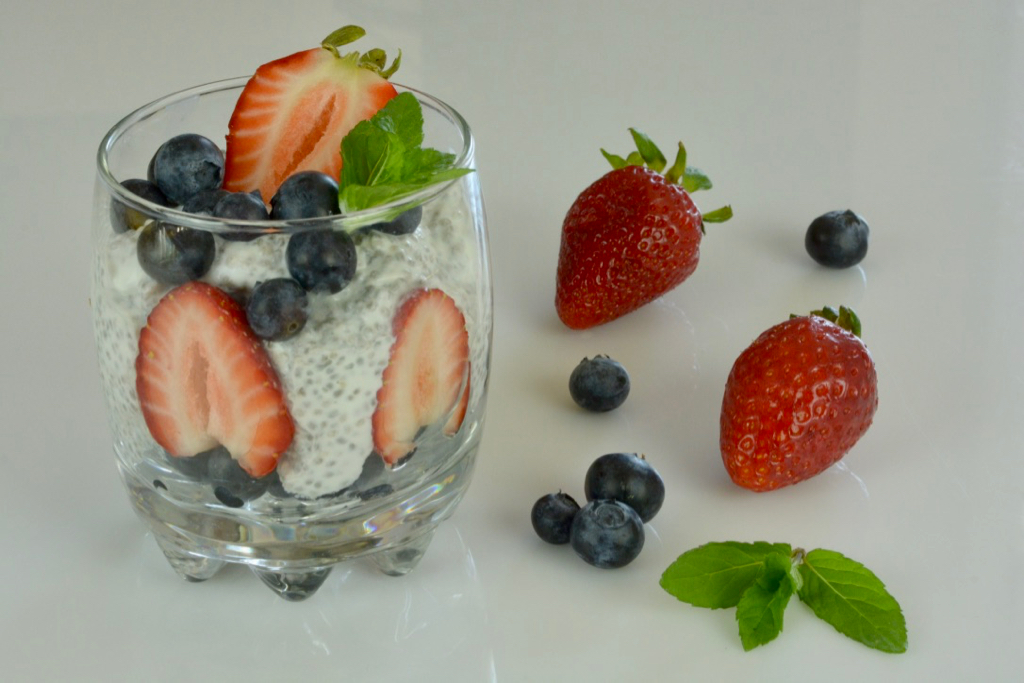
[{"x": 332, "y": 497}]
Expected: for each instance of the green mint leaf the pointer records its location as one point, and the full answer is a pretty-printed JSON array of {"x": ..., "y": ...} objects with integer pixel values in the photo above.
[
  {"x": 852, "y": 599},
  {"x": 649, "y": 151},
  {"x": 716, "y": 575},
  {"x": 382, "y": 158},
  {"x": 761, "y": 607}
]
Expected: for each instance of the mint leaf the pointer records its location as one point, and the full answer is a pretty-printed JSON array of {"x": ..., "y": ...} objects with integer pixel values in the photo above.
[
  {"x": 852, "y": 599},
  {"x": 716, "y": 575},
  {"x": 760, "y": 609},
  {"x": 382, "y": 158}
]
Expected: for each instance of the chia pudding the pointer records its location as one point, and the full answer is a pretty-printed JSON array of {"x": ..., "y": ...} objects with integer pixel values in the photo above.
[{"x": 332, "y": 370}]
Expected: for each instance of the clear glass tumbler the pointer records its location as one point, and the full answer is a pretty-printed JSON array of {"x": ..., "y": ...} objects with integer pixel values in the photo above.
[{"x": 344, "y": 377}]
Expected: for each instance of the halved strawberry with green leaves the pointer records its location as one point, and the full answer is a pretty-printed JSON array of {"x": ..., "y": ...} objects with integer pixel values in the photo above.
[
  {"x": 294, "y": 112},
  {"x": 204, "y": 379},
  {"x": 427, "y": 377}
]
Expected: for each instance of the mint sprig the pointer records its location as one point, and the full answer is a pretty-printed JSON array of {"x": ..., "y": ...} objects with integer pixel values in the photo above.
[
  {"x": 383, "y": 159},
  {"x": 760, "y": 578}
]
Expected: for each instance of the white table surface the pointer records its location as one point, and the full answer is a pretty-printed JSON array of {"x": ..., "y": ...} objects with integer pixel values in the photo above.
[{"x": 911, "y": 113}]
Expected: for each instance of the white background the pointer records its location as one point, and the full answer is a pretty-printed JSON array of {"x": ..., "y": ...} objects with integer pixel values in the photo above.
[{"x": 910, "y": 113}]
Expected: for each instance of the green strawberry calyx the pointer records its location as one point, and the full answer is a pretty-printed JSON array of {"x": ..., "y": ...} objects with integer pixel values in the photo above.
[
  {"x": 845, "y": 317},
  {"x": 374, "y": 60},
  {"x": 647, "y": 155}
]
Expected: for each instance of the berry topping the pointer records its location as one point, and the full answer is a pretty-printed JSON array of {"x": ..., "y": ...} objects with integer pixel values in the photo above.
[
  {"x": 627, "y": 478},
  {"x": 307, "y": 194},
  {"x": 174, "y": 254},
  {"x": 203, "y": 203},
  {"x": 277, "y": 309},
  {"x": 294, "y": 112},
  {"x": 599, "y": 384},
  {"x": 631, "y": 236},
  {"x": 552, "y": 517},
  {"x": 607, "y": 534},
  {"x": 321, "y": 260},
  {"x": 405, "y": 223},
  {"x": 241, "y": 206},
  {"x": 425, "y": 375},
  {"x": 837, "y": 239},
  {"x": 203, "y": 380},
  {"x": 232, "y": 485},
  {"x": 185, "y": 165},
  {"x": 797, "y": 400},
  {"x": 124, "y": 218}
]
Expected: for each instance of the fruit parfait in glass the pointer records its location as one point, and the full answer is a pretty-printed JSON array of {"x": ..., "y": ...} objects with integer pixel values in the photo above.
[{"x": 293, "y": 324}]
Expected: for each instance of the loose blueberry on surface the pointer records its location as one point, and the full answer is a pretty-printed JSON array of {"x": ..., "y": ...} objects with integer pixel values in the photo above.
[
  {"x": 277, "y": 309},
  {"x": 202, "y": 203},
  {"x": 629, "y": 479},
  {"x": 552, "y": 517},
  {"x": 404, "y": 224},
  {"x": 321, "y": 260},
  {"x": 174, "y": 254},
  {"x": 240, "y": 206},
  {"x": 231, "y": 484},
  {"x": 185, "y": 165},
  {"x": 599, "y": 384},
  {"x": 837, "y": 239},
  {"x": 607, "y": 534},
  {"x": 124, "y": 218},
  {"x": 307, "y": 194}
]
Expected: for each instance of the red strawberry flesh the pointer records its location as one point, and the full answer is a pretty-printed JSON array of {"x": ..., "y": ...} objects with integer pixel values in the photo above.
[
  {"x": 203, "y": 379},
  {"x": 426, "y": 373},
  {"x": 796, "y": 402},
  {"x": 292, "y": 116},
  {"x": 627, "y": 239}
]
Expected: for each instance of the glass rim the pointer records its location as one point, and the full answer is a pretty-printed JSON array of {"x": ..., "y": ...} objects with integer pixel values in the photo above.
[{"x": 351, "y": 220}]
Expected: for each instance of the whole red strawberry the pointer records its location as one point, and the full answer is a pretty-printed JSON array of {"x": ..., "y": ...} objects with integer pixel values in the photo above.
[
  {"x": 797, "y": 400},
  {"x": 631, "y": 236}
]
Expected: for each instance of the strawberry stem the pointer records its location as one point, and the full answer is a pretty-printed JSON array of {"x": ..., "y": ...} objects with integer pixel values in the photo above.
[
  {"x": 373, "y": 60},
  {"x": 845, "y": 317}
]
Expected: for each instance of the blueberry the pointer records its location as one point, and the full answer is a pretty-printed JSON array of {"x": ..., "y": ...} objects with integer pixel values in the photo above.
[
  {"x": 231, "y": 484},
  {"x": 193, "y": 466},
  {"x": 124, "y": 218},
  {"x": 627, "y": 478},
  {"x": 607, "y": 534},
  {"x": 241, "y": 206},
  {"x": 185, "y": 165},
  {"x": 837, "y": 239},
  {"x": 174, "y": 254},
  {"x": 307, "y": 194},
  {"x": 552, "y": 517},
  {"x": 202, "y": 203},
  {"x": 277, "y": 309},
  {"x": 599, "y": 384},
  {"x": 321, "y": 260},
  {"x": 404, "y": 224}
]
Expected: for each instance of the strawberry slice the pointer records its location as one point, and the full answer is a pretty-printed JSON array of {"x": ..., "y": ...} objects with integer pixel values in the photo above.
[
  {"x": 294, "y": 112},
  {"x": 204, "y": 379},
  {"x": 424, "y": 376},
  {"x": 451, "y": 427}
]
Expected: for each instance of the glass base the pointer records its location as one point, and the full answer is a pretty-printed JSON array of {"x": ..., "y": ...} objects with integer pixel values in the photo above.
[{"x": 293, "y": 553}]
